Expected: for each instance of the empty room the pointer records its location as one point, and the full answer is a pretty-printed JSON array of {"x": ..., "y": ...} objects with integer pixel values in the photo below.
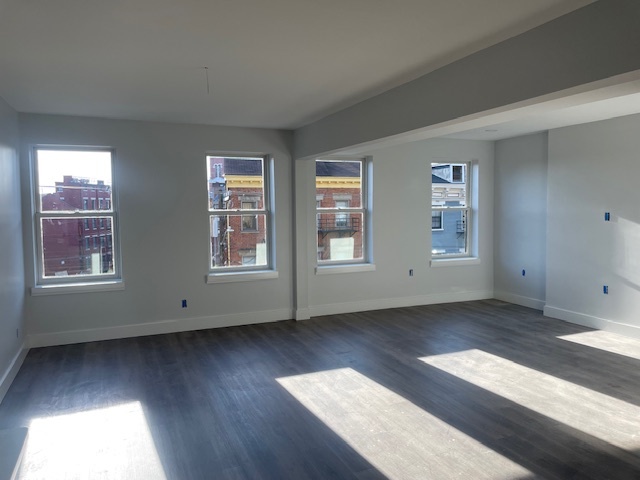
[{"x": 216, "y": 260}]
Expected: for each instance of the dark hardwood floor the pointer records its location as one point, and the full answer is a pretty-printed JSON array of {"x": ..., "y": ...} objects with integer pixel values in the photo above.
[{"x": 470, "y": 390}]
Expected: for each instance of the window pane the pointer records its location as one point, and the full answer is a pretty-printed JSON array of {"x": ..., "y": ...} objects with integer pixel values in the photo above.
[
  {"x": 71, "y": 180},
  {"x": 448, "y": 185},
  {"x": 436, "y": 220},
  {"x": 340, "y": 236},
  {"x": 233, "y": 246},
  {"x": 70, "y": 249},
  {"x": 452, "y": 239},
  {"x": 236, "y": 183},
  {"x": 339, "y": 181}
]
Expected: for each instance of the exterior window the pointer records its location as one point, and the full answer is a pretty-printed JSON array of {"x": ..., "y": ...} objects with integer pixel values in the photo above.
[
  {"x": 343, "y": 211},
  {"x": 240, "y": 213},
  {"x": 248, "y": 259},
  {"x": 436, "y": 220},
  {"x": 450, "y": 209},
  {"x": 249, "y": 222},
  {"x": 342, "y": 219},
  {"x": 64, "y": 254}
]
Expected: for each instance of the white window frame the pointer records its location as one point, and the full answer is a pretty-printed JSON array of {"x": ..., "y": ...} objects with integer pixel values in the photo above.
[
  {"x": 469, "y": 179},
  {"x": 242, "y": 273},
  {"x": 75, "y": 283},
  {"x": 366, "y": 209}
]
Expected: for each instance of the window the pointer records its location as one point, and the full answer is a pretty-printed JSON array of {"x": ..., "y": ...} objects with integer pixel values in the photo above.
[
  {"x": 450, "y": 209},
  {"x": 436, "y": 220},
  {"x": 249, "y": 222},
  {"x": 240, "y": 213},
  {"x": 343, "y": 214},
  {"x": 64, "y": 254},
  {"x": 342, "y": 219}
]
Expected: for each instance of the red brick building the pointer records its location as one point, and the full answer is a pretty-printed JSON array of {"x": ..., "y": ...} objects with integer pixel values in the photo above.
[{"x": 77, "y": 246}]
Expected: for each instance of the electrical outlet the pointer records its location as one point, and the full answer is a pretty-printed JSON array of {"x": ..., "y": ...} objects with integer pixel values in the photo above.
[
  {"x": 607, "y": 216},
  {"x": 605, "y": 289},
  {"x": 184, "y": 304},
  {"x": 411, "y": 272}
]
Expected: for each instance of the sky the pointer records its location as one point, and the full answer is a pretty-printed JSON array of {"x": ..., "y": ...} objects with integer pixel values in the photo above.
[{"x": 53, "y": 165}]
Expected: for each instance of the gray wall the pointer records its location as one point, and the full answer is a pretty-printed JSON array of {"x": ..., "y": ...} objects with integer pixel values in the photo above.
[
  {"x": 11, "y": 263},
  {"x": 402, "y": 235},
  {"x": 591, "y": 44},
  {"x": 593, "y": 169},
  {"x": 521, "y": 219},
  {"x": 161, "y": 177}
]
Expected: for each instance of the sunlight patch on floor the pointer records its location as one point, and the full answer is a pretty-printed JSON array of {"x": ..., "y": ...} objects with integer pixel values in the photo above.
[
  {"x": 607, "y": 341},
  {"x": 395, "y": 436},
  {"x": 591, "y": 412},
  {"x": 106, "y": 443}
]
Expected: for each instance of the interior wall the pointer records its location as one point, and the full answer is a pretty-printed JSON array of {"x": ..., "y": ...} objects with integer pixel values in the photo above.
[
  {"x": 402, "y": 235},
  {"x": 11, "y": 257},
  {"x": 164, "y": 232},
  {"x": 521, "y": 219},
  {"x": 593, "y": 169}
]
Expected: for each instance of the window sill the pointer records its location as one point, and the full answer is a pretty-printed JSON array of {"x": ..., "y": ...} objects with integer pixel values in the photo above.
[
  {"x": 454, "y": 262},
  {"x": 338, "y": 269},
  {"x": 231, "y": 277},
  {"x": 71, "y": 288}
]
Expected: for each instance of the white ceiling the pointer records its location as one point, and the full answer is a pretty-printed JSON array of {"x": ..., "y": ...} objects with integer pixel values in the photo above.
[{"x": 272, "y": 63}]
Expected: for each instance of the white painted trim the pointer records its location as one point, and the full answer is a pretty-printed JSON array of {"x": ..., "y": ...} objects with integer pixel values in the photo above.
[
  {"x": 592, "y": 322},
  {"x": 232, "y": 277},
  {"x": 11, "y": 372},
  {"x": 381, "y": 304},
  {"x": 338, "y": 269},
  {"x": 157, "y": 328},
  {"x": 67, "y": 288},
  {"x": 520, "y": 300},
  {"x": 302, "y": 314},
  {"x": 454, "y": 262}
]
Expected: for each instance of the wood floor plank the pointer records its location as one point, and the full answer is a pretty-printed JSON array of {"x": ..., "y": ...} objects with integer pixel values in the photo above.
[{"x": 480, "y": 389}]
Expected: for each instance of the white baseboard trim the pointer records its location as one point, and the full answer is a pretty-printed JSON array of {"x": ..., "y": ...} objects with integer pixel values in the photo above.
[
  {"x": 381, "y": 304},
  {"x": 520, "y": 300},
  {"x": 12, "y": 371},
  {"x": 156, "y": 328},
  {"x": 302, "y": 314},
  {"x": 592, "y": 322}
]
